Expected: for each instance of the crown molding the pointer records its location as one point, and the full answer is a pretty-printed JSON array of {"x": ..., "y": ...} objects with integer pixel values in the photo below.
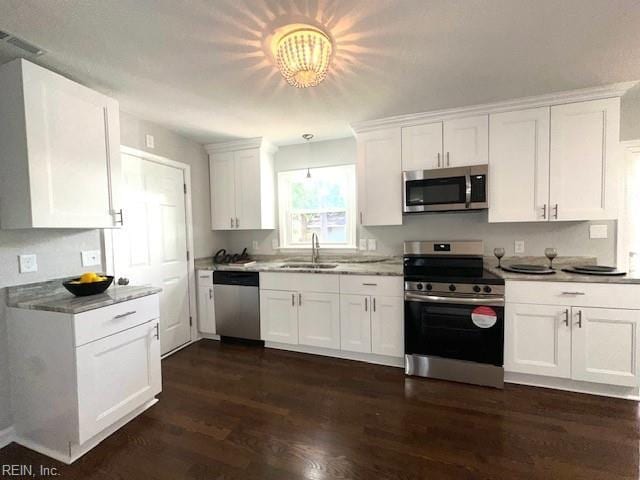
[
  {"x": 244, "y": 144},
  {"x": 570, "y": 96}
]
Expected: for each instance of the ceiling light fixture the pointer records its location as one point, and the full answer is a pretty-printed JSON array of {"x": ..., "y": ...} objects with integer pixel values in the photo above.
[{"x": 303, "y": 54}]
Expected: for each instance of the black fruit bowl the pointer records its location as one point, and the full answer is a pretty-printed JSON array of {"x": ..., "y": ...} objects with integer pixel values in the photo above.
[{"x": 86, "y": 289}]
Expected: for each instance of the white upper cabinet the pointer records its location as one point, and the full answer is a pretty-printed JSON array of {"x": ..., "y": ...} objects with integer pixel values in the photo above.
[
  {"x": 242, "y": 185},
  {"x": 422, "y": 147},
  {"x": 59, "y": 151},
  {"x": 466, "y": 141},
  {"x": 519, "y": 166},
  {"x": 584, "y": 160},
  {"x": 379, "y": 169}
]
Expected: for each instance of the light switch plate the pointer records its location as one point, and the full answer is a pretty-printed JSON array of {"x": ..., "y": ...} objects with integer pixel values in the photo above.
[
  {"x": 518, "y": 246},
  {"x": 28, "y": 263},
  {"x": 372, "y": 244},
  {"x": 363, "y": 244},
  {"x": 274, "y": 244},
  {"x": 90, "y": 258},
  {"x": 598, "y": 231},
  {"x": 254, "y": 245},
  {"x": 149, "y": 141}
]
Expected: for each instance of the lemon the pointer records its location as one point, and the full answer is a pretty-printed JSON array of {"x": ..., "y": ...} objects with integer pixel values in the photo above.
[{"x": 89, "y": 277}]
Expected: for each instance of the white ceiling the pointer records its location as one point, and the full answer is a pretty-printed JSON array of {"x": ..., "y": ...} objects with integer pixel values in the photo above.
[{"x": 199, "y": 66}]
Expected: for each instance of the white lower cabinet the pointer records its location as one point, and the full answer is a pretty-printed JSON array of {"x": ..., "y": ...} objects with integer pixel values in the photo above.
[
  {"x": 319, "y": 319},
  {"x": 279, "y": 316},
  {"x": 387, "y": 326},
  {"x": 206, "y": 307},
  {"x": 355, "y": 323},
  {"x": 115, "y": 375},
  {"x": 598, "y": 345}
]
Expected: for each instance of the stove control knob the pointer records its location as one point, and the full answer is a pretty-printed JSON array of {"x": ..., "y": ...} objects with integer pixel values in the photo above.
[
  {"x": 476, "y": 289},
  {"x": 452, "y": 288},
  {"x": 429, "y": 287},
  {"x": 419, "y": 286},
  {"x": 487, "y": 289}
]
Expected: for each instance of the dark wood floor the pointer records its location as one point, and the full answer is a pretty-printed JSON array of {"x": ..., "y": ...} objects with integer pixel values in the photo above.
[{"x": 239, "y": 412}]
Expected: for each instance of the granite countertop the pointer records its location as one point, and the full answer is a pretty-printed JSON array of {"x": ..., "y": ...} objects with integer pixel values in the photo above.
[
  {"x": 51, "y": 296},
  {"x": 388, "y": 266},
  {"x": 491, "y": 264}
]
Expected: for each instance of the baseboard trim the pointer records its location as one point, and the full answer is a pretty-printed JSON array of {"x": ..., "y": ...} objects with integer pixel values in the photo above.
[
  {"x": 7, "y": 435},
  {"x": 327, "y": 352},
  {"x": 627, "y": 393}
]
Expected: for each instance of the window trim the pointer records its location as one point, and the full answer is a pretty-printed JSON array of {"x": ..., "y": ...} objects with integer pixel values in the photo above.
[{"x": 284, "y": 217}]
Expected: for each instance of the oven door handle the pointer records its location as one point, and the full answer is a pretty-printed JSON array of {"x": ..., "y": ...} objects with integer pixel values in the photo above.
[{"x": 419, "y": 297}]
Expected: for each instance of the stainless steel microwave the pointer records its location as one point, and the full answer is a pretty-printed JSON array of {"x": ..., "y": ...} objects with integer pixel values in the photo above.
[{"x": 445, "y": 189}]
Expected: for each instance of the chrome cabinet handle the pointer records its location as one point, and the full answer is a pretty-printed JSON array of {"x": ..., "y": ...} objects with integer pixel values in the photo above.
[
  {"x": 157, "y": 331},
  {"x": 300, "y": 299},
  {"x": 566, "y": 317},
  {"x": 438, "y": 159},
  {"x": 555, "y": 211},
  {"x": 121, "y": 213},
  {"x": 579, "y": 318},
  {"x": 366, "y": 304},
  {"x": 544, "y": 211},
  {"x": 231, "y": 221},
  {"x": 122, "y": 315},
  {"x": 448, "y": 162},
  {"x": 573, "y": 293},
  {"x": 370, "y": 284},
  {"x": 374, "y": 304},
  {"x": 293, "y": 299},
  {"x": 237, "y": 223},
  {"x": 211, "y": 294},
  {"x": 360, "y": 218}
]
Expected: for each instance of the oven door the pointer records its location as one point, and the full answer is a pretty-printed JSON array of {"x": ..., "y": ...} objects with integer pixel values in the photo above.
[
  {"x": 445, "y": 189},
  {"x": 460, "y": 328}
]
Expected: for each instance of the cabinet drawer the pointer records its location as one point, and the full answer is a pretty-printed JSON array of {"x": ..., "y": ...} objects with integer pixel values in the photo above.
[
  {"x": 102, "y": 322},
  {"x": 371, "y": 285},
  {"x": 205, "y": 277},
  {"x": 300, "y": 282},
  {"x": 574, "y": 294}
]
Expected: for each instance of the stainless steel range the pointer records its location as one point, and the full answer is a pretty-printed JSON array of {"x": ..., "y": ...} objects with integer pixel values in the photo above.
[{"x": 454, "y": 313}]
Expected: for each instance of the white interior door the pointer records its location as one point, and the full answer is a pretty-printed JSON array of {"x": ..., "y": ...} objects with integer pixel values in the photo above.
[{"x": 151, "y": 247}]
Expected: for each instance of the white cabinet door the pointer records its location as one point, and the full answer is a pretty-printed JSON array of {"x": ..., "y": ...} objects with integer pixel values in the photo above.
[
  {"x": 380, "y": 177},
  {"x": 538, "y": 339},
  {"x": 605, "y": 346},
  {"x": 319, "y": 319},
  {"x": 519, "y": 166},
  {"x": 387, "y": 326},
  {"x": 355, "y": 323},
  {"x": 466, "y": 141},
  {"x": 585, "y": 153},
  {"x": 279, "y": 316},
  {"x": 422, "y": 147},
  {"x": 116, "y": 375},
  {"x": 223, "y": 196},
  {"x": 206, "y": 310},
  {"x": 247, "y": 189}
]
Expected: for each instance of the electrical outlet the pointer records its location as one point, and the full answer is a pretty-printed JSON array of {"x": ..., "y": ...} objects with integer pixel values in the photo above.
[
  {"x": 519, "y": 246},
  {"x": 90, "y": 258},
  {"x": 598, "y": 231},
  {"x": 254, "y": 245},
  {"x": 28, "y": 263},
  {"x": 363, "y": 244},
  {"x": 372, "y": 244},
  {"x": 149, "y": 141},
  {"x": 274, "y": 244}
]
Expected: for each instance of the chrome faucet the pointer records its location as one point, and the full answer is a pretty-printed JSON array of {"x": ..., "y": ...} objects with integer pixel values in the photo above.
[{"x": 315, "y": 248}]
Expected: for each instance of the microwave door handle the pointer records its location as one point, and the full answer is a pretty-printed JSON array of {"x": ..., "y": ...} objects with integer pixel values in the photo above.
[{"x": 467, "y": 196}]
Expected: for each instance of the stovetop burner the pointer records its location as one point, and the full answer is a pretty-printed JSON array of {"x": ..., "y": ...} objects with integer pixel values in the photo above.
[
  {"x": 603, "y": 270},
  {"x": 528, "y": 269}
]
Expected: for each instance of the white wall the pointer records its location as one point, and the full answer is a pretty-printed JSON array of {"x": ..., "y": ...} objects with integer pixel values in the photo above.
[
  {"x": 630, "y": 114},
  {"x": 180, "y": 149},
  {"x": 570, "y": 238}
]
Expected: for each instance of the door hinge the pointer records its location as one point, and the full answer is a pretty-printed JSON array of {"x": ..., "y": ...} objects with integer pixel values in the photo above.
[
  {"x": 190, "y": 321},
  {"x": 185, "y": 188}
]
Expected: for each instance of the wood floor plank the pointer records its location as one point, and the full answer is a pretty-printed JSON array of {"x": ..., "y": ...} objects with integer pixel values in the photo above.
[{"x": 231, "y": 411}]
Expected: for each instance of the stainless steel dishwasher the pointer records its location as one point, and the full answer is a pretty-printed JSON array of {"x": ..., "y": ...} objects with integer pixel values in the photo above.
[{"x": 237, "y": 302}]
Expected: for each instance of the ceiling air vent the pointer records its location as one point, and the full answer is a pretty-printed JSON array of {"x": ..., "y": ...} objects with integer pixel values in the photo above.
[{"x": 21, "y": 44}]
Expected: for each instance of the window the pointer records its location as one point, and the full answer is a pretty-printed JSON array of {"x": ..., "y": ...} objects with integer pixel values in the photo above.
[{"x": 322, "y": 203}]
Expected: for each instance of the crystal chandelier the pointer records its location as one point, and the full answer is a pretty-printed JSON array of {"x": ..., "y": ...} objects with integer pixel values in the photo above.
[{"x": 303, "y": 55}]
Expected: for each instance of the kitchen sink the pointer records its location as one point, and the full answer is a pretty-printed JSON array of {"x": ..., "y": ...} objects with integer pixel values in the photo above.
[{"x": 319, "y": 266}]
